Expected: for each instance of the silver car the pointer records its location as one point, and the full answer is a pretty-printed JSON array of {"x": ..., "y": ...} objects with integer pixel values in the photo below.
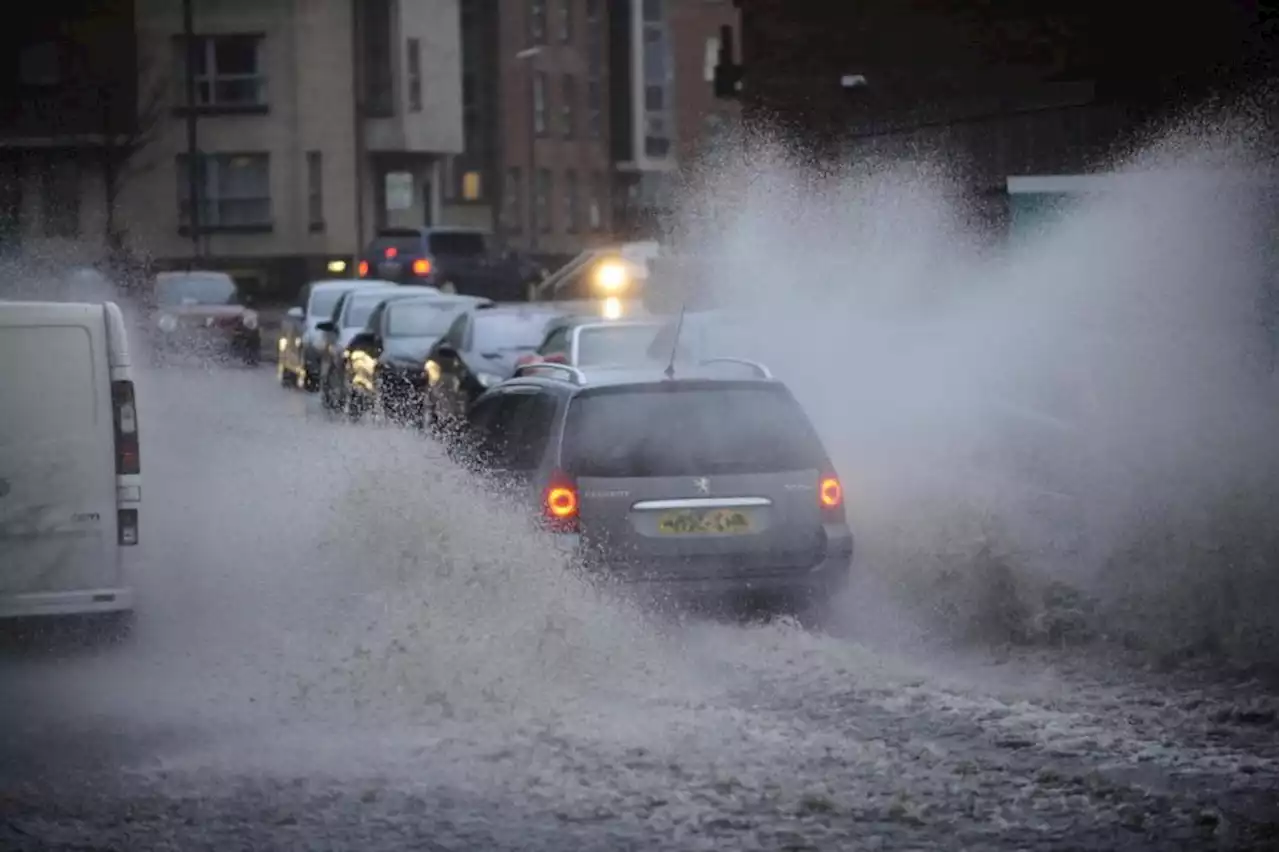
[{"x": 301, "y": 344}]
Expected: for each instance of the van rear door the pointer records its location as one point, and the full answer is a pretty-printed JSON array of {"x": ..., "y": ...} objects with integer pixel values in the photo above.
[{"x": 57, "y": 463}]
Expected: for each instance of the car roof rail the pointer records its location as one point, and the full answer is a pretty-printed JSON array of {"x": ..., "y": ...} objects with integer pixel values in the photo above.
[
  {"x": 575, "y": 375},
  {"x": 761, "y": 370}
]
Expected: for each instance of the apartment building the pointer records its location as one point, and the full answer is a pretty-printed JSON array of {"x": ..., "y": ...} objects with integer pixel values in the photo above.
[
  {"x": 316, "y": 122},
  {"x": 67, "y": 128},
  {"x": 554, "y": 83},
  {"x": 664, "y": 116}
]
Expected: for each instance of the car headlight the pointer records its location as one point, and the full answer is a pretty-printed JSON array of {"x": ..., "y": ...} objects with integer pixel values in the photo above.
[
  {"x": 167, "y": 322},
  {"x": 488, "y": 380},
  {"x": 249, "y": 320}
]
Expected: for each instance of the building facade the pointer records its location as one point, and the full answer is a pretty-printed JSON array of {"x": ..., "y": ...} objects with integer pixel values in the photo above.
[
  {"x": 315, "y": 124},
  {"x": 67, "y": 128},
  {"x": 552, "y": 63}
]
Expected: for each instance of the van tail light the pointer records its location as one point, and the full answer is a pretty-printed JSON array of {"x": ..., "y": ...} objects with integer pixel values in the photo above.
[
  {"x": 422, "y": 267},
  {"x": 125, "y": 415},
  {"x": 127, "y": 527},
  {"x": 363, "y": 269},
  {"x": 831, "y": 498},
  {"x": 560, "y": 504}
]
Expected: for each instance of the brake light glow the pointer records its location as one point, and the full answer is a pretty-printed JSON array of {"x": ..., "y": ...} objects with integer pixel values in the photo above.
[
  {"x": 363, "y": 269},
  {"x": 125, "y": 412},
  {"x": 560, "y": 504},
  {"x": 391, "y": 251},
  {"x": 422, "y": 266},
  {"x": 830, "y": 493}
]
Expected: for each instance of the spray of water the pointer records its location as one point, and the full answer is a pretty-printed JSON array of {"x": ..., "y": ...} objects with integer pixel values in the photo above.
[{"x": 1072, "y": 432}]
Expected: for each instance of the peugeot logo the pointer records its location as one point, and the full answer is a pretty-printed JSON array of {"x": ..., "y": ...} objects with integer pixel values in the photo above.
[{"x": 702, "y": 484}]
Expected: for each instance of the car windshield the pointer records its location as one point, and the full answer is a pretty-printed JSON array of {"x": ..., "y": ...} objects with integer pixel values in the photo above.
[
  {"x": 509, "y": 332},
  {"x": 457, "y": 243},
  {"x": 689, "y": 430},
  {"x": 615, "y": 344},
  {"x": 420, "y": 319},
  {"x": 323, "y": 302},
  {"x": 196, "y": 289},
  {"x": 359, "y": 307}
]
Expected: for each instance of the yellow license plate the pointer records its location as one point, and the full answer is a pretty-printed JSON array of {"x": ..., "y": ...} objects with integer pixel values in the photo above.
[{"x": 714, "y": 522}]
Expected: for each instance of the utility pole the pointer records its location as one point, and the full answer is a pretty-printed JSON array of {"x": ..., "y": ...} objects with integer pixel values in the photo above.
[
  {"x": 527, "y": 56},
  {"x": 194, "y": 166}
]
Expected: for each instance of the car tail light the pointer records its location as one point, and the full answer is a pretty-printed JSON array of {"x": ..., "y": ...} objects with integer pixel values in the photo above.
[
  {"x": 560, "y": 504},
  {"x": 363, "y": 269},
  {"x": 556, "y": 358},
  {"x": 422, "y": 266},
  {"x": 126, "y": 428},
  {"x": 527, "y": 359},
  {"x": 390, "y": 252},
  {"x": 127, "y": 527},
  {"x": 831, "y": 497}
]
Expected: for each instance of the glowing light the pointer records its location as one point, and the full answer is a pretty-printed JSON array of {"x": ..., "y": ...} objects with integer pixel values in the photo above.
[
  {"x": 611, "y": 276},
  {"x": 612, "y": 308},
  {"x": 337, "y": 266}
]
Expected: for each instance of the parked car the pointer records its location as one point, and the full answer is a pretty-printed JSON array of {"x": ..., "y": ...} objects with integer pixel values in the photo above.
[
  {"x": 301, "y": 344},
  {"x": 201, "y": 313},
  {"x": 708, "y": 483},
  {"x": 70, "y": 470},
  {"x": 479, "y": 350},
  {"x": 350, "y": 314},
  {"x": 387, "y": 356},
  {"x": 589, "y": 341},
  {"x": 456, "y": 260}
]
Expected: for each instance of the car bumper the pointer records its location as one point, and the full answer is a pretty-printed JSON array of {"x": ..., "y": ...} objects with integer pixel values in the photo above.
[
  {"x": 822, "y": 580},
  {"x": 80, "y": 602}
]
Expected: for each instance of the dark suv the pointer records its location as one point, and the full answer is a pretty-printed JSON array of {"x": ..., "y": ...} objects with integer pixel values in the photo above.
[
  {"x": 456, "y": 260},
  {"x": 706, "y": 484}
]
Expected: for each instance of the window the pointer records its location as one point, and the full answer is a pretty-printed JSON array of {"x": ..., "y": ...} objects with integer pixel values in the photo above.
[
  {"x": 595, "y": 113},
  {"x": 60, "y": 198},
  {"x": 557, "y": 343},
  {"x": 564, "y": 20},
  {"x": 540, "y": 103},
  {"x": 378, "y": 49},
  {"x": 595, "y": 38},
  {"x": 472, "y": 186},
  {"x": 228, "y": 71},
  {"x": 599, "y": 200},
  {"x": 537, "y": 21},
  {"x": 689, "y": 431},
  {"x": 542, "y": 200},
  {"x": 653, "y": 98},
  {"x": 315, "y": 191},
  {"x": 571, "y": 201},
  {"x": 569, "y": 97},
  {"x": 511, "y": 431},
  {"x": 652, "y": 11},
  {"x": 512, "y": 201},
  {"x": 235, "y": 191},
  {"x": 40, "y": 64},
  {"x": 413, "y": 64}
]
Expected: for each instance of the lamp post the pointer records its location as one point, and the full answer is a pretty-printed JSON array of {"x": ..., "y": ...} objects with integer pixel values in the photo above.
[
  {"x": 527, "y": 56},
  {"x": 194, "y": 167}
]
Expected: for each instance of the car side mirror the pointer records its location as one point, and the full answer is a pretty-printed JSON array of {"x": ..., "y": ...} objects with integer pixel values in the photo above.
[
  {"x": 364, "y": 340},
  {"x": 296, "y": 313},
  {"x": 327, "y": 327}
]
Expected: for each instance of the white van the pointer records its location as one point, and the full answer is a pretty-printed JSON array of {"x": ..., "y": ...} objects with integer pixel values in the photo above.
[{"x": 70, "y": 483}]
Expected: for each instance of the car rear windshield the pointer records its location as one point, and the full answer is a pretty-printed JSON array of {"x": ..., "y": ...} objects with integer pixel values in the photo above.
[
  {"x": 615, "y": 344},
  {"x": 196, "y": 289},
  {"x": 688, "y": 430},
  {"x": 420, "y": 320},
  {"x": 509, "y": 332},
  {"x": 456, "y": 243},
  {"x": 404, "y": 242}
]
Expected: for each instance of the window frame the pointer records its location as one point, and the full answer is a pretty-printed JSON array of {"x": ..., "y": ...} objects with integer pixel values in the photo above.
[
  {"x": 210, "y": 178},
  {"x": 207, "y": 45}
]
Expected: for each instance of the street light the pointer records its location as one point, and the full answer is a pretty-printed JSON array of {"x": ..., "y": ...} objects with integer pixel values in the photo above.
[{"x": 528, "y": 55}]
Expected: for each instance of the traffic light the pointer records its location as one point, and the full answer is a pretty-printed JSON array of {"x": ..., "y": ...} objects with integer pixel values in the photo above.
[{"x": 728, "y": 74}]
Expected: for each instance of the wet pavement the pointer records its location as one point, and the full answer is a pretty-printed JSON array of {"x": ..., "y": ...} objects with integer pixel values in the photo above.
[{"x": 337, "y": 649}]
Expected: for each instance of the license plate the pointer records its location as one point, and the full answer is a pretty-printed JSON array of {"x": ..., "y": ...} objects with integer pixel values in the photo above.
[
  {"x": 389, "y": 270},
  {"x": 711, "y": 522}
]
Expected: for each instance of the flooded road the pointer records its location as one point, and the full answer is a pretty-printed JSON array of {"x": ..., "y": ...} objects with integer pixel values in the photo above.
[{"x": 341, "y": 646}]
